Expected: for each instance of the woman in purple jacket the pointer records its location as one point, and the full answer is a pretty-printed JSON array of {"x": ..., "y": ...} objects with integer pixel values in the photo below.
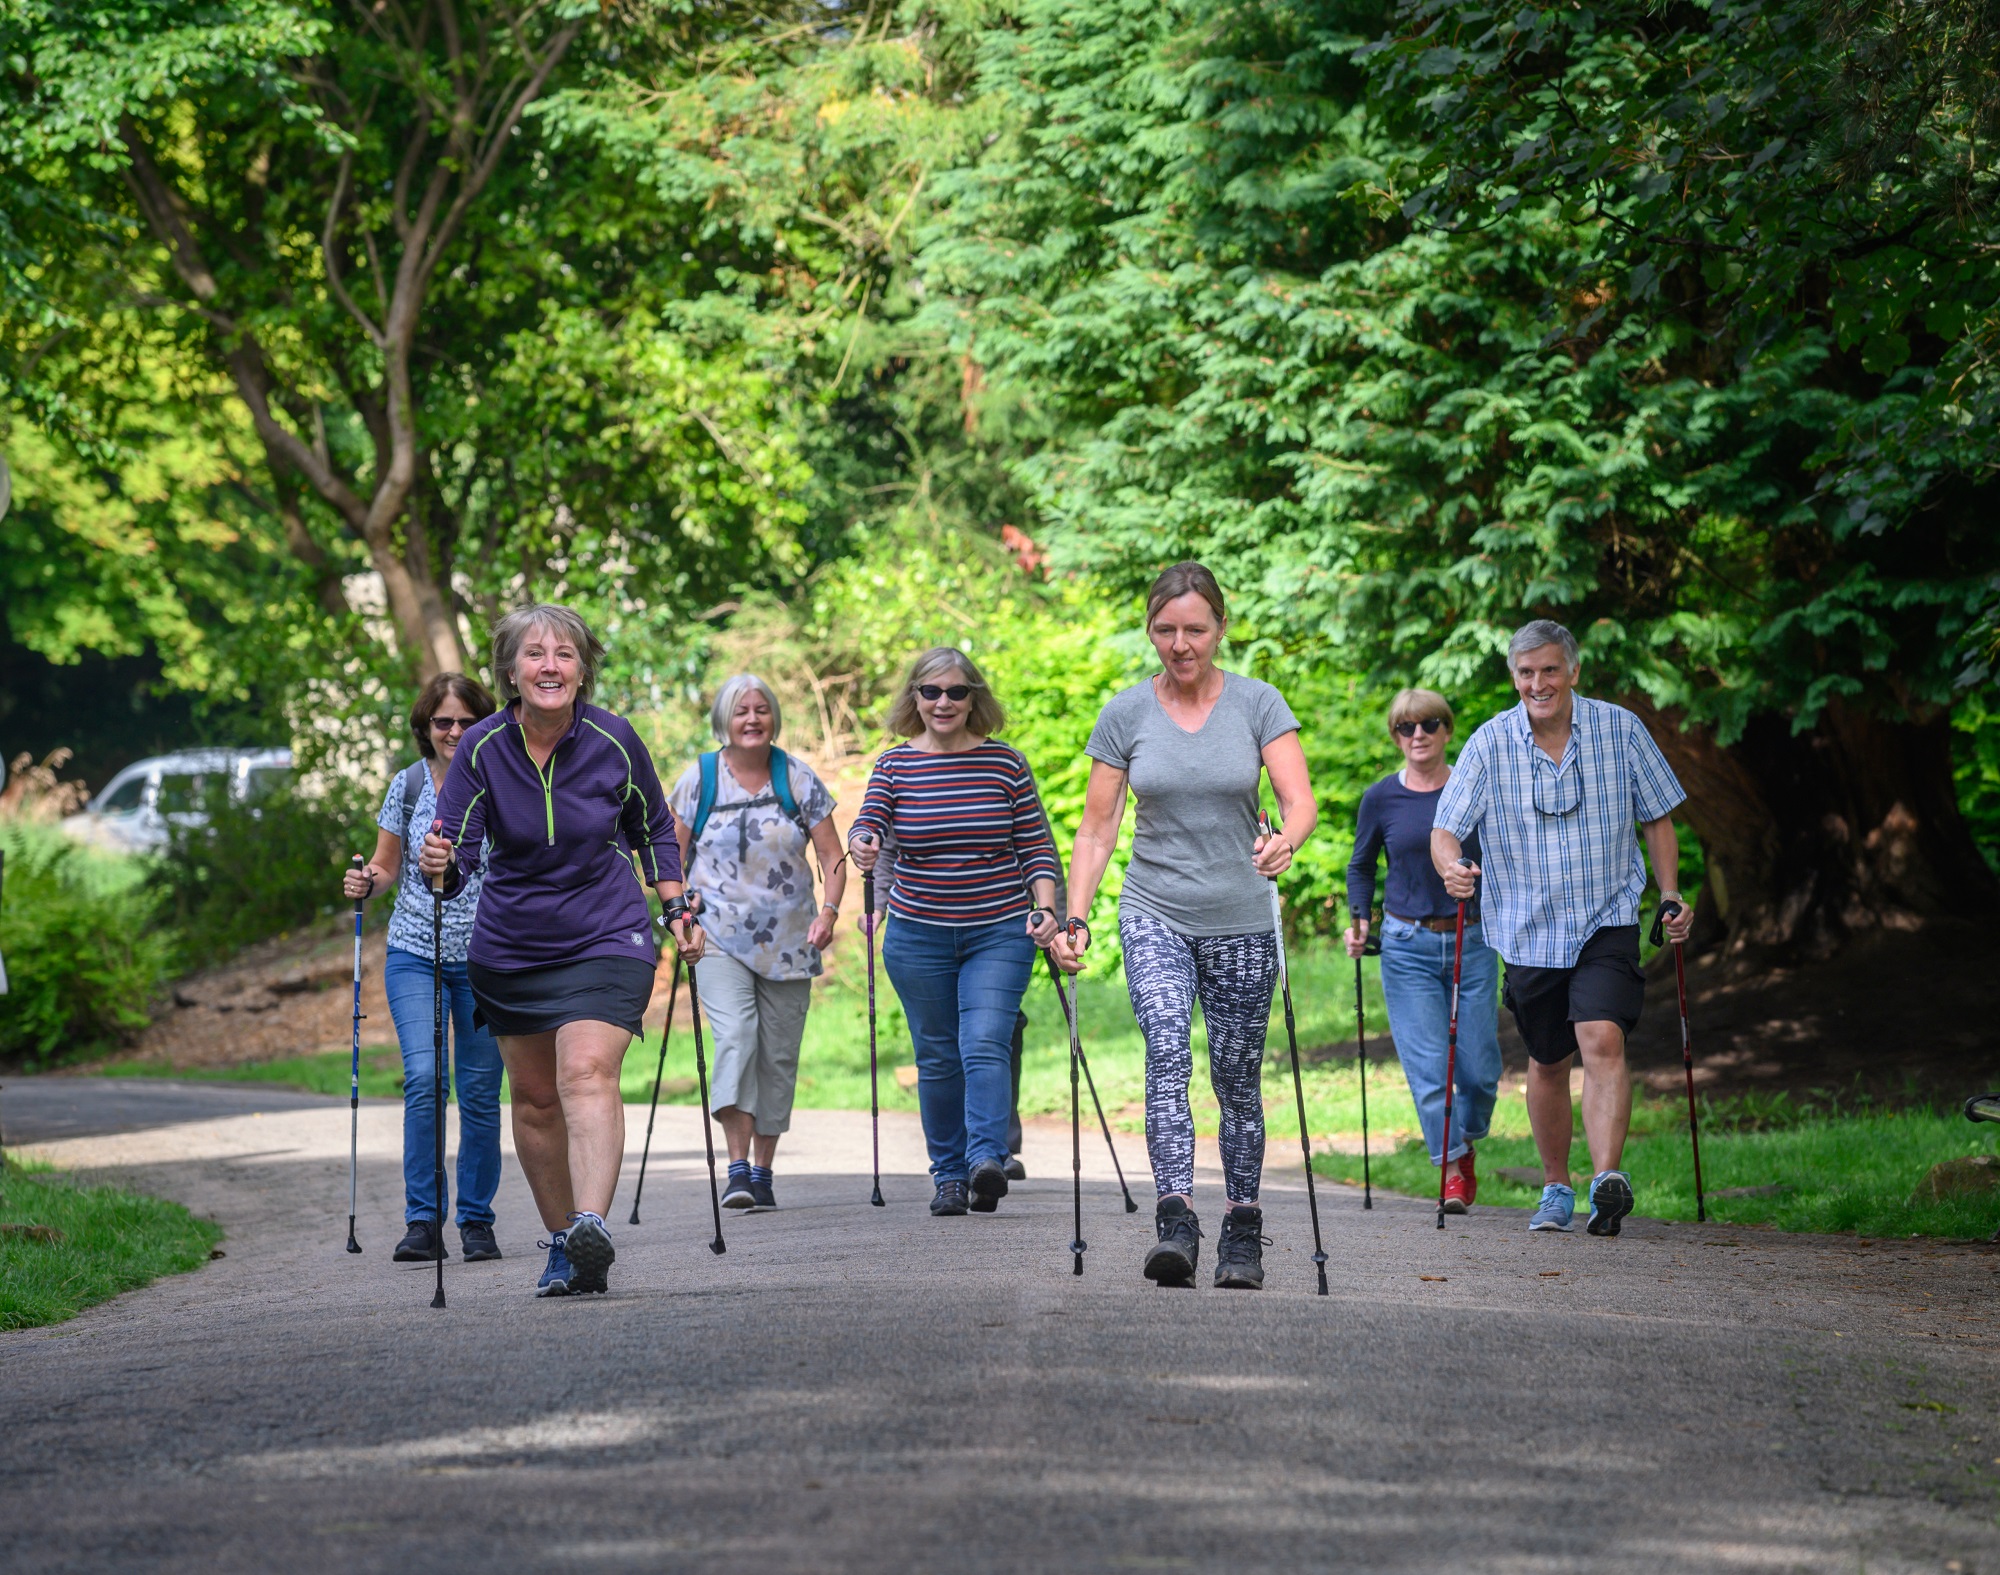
[{"x": 562, "y": 797}]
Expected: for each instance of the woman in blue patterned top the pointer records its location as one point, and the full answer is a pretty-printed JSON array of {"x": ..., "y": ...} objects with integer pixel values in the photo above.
[{"x": 449, "y": 704}]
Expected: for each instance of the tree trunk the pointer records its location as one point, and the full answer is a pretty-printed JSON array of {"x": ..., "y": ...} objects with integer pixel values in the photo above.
[{"x": 1814, "y": 838}]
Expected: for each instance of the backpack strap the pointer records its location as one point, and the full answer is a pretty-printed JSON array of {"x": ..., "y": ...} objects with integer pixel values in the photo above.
[
  {"x": 781, "y": 788},
  {"x": 704, "y": 804},
  {"x": 413, "y": 788}
]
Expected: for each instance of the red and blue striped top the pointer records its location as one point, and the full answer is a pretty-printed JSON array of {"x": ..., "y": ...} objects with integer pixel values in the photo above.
[{"x": 969, "y": 832}]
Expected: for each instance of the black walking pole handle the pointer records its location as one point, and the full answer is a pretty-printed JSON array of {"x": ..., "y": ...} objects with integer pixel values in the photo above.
[
  {"x": 361, "y": 868},
  {"x": 1666, "y": 908}
]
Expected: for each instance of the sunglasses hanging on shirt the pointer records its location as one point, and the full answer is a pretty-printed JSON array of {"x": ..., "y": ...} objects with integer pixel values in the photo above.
[
  {"x": 934, "y": 692},
  {"x": 1429, "y": 724}
]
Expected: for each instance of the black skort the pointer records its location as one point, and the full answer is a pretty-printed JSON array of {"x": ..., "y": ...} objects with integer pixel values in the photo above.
[
  {"x": 1605, "y": 986},
  {"x": 540, "y": 1000}
]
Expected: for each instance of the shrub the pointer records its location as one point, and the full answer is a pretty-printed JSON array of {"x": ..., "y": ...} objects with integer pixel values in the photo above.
[
  {"x": 83, "y": 959},
  {"x": 257, "y": 868}
]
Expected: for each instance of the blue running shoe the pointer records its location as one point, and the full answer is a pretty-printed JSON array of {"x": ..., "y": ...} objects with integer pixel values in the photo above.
[
  {"x": 555, "y": 1278},
  {"x": 1610, "y": 1202},
  {"x": 1556, "y": 1211},
  {"x": 588, "y": 1248},
  {"x": 760, "y": 1187}
]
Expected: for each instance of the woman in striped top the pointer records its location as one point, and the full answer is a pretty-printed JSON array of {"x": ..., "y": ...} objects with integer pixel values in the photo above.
[{"x": 970, "y": 836}]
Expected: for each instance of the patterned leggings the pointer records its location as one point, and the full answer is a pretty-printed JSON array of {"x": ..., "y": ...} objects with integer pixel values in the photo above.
[{"x": 1232, "y": 976}]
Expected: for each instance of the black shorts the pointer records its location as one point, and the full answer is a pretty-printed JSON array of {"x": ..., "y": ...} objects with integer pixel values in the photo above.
[
  {"x": 1605, "y": 986},
  {"x": 540, "y": 1000}
]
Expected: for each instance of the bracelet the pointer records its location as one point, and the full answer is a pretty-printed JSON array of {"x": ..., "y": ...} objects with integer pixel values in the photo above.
[
  {"x": 1672, "y": 896},
  {"x": 830, "y": 907}
]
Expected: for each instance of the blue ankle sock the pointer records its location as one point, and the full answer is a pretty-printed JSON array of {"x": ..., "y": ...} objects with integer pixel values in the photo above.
[
  {"x": 760, "y": 1173},
  {"x": 739, "y": 1168}
]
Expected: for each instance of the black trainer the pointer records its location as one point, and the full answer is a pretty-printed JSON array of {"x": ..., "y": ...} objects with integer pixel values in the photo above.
[
  {"x": 987, "y": 1186},
  {"x": 1016, "y": 1171},
  {"x": 1239, "y": 1256},
  {"x": 950, "y": 1198},
  {"x": 477, "y": 1244},
  {"x": 423, "y": 1242},
  {"x": 588, "y": 1248},
  {"x": 1172, "y": 1260}
]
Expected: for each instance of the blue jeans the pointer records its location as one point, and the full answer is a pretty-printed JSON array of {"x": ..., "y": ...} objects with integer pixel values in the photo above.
[
  {"x": 960, "y": 989},
  {"x": 475, "y": 1058},
  {"x": 1416, "y": 982}
]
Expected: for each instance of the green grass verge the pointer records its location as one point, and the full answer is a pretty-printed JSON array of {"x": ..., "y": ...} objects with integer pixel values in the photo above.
[
  {"x": 1842, "y": 1169},
  {"x": 104, "y": 1242}
]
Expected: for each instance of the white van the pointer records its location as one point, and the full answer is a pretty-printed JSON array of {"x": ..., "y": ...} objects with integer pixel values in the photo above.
[{"x": 138, "y": 806}]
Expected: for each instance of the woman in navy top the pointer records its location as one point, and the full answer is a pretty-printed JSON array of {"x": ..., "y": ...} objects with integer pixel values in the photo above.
[
  {"x": 970, "y": 838},
  {"x": 560, "y": 802},
  {"x": 1418, "y": 922}
]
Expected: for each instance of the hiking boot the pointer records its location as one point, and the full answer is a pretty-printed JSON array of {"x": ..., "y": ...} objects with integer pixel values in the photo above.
[
  {"x": 423, "y": 1242},
  {"x": 1172, "y": 1259},
  {"x": 1610, "y": 1202},
  {"x": 987, "y": 1186},
  {"x": 760, "y": 1187},
  {"x": 1556, "y": 1211},
  {"x": 950, "y": 1198},
  {"x": 1016, "y": 1171},
  {"x": 589, "y": 1252},
  {"x": 477, "y": 1244},
  {"x": 737, "y": 1195},
  {"x": 1239, "y": 1255},
  {"x": 555, "y": 1278}
]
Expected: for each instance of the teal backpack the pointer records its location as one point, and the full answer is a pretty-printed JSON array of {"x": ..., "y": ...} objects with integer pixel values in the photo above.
[{"x": 781, "y": 792}]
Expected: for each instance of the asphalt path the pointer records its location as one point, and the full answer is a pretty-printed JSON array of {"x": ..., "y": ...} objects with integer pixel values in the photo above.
[{"x": 860, "y": 1389}]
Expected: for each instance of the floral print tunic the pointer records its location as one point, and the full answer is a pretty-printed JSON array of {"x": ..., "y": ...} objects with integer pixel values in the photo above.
[{"x": 750, "y": 868}]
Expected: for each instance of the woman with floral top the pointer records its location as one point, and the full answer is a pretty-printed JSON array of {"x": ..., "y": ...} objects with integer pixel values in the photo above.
[
  {"x": 449, "y": 704},
  {"x": 749, "y": 864}
]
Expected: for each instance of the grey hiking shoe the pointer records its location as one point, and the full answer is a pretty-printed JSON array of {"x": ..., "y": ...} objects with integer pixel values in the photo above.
[
  {"x": 1610, "y": 1202},
  {"x": 1172, "y": 1259},
  {"x": 950, "y": 1198},
  {"x": 1239, "y": 1255},
  {"x": 588, "y": 1248}
]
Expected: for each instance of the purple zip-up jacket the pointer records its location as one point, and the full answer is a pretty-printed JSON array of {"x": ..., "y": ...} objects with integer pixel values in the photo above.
[{"x": 560, "y": 883}]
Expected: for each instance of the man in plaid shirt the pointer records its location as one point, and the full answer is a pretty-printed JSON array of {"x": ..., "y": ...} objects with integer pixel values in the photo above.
[{"x": 1554, "y": 788}]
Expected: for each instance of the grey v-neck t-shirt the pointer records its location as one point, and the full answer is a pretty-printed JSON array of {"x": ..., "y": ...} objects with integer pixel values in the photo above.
[{"x": 1197, "y": 803}]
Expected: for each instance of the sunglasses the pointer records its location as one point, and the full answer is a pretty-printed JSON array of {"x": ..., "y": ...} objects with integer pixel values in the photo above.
[
  {"x": 447, "y": 724},
  {"x": 1429, "y": 724},
  {"x": 934, "y": 692}
]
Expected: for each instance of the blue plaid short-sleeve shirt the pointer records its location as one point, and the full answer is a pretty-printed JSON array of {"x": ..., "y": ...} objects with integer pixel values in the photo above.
[{"x": 1560, "y": 858}]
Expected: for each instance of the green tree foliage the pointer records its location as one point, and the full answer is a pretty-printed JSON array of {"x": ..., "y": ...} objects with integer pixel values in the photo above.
[
  {"x": 1397, "y": 440},
  {"x": 435, "y": 337}
]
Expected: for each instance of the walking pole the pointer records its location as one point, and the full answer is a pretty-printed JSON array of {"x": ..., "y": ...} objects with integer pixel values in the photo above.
[
  {"x": 718, "y": 1246},
  {"x": 1451, "y": 1051},
  {"x": 440, "y": 1058},
  {"x": 1372, "y": 947},
  {"x": 1077, "y": 1245},
  {"x": 874, "y": 1096},
  {"x": 659, "y": 1071},
  {"x": 354, "y": 1077},
  {"x": 1687, "y": 1048},
  {"x": 1298, "y": 1082},
  {"x": 1070, "y": 1005}
]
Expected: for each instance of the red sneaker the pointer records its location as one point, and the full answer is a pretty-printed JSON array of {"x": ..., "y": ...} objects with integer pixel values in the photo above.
[{"x": 1461, "y": 1187}]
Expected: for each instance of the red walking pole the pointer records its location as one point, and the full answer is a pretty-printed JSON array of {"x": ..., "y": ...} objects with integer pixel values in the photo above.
[{"x": 1451, "y": 1051}]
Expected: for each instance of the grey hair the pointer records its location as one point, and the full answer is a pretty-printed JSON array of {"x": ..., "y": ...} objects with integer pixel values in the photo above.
[
  {"x": 512, "y": 631},
  {"x": 731, "y": 694},
  {"x": 1542, "y": 631}
]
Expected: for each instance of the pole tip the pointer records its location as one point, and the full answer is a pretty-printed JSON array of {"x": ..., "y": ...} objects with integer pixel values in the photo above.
[
  {"x": 876, "y": 1199},
  {"x": 438, "y": 1300},
  {"x": 635, "y": 1215},
  {"x": 718, "y": 1246}
]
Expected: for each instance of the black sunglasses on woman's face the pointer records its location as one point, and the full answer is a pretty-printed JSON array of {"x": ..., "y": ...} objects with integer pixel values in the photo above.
[
  {"x": 933, "y": 692},
  {"x": 1429, "y": 724},
  {"x": 445, "y": 724}
]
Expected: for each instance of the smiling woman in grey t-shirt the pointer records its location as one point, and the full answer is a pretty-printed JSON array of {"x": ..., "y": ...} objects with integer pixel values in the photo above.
[{"x": 1192, "y": 743}]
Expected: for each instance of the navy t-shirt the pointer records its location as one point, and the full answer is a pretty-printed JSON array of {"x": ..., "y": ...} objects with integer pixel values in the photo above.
[{"x": 1397, "y": 820}]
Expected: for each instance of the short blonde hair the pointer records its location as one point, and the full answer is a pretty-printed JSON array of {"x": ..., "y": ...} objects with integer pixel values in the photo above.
[
  {"x": 1419, "y": 705},
  {"x": 731, "y": 694},
  {"x": 986, "y": 717},
  {"x": 512, "y": 632}
]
